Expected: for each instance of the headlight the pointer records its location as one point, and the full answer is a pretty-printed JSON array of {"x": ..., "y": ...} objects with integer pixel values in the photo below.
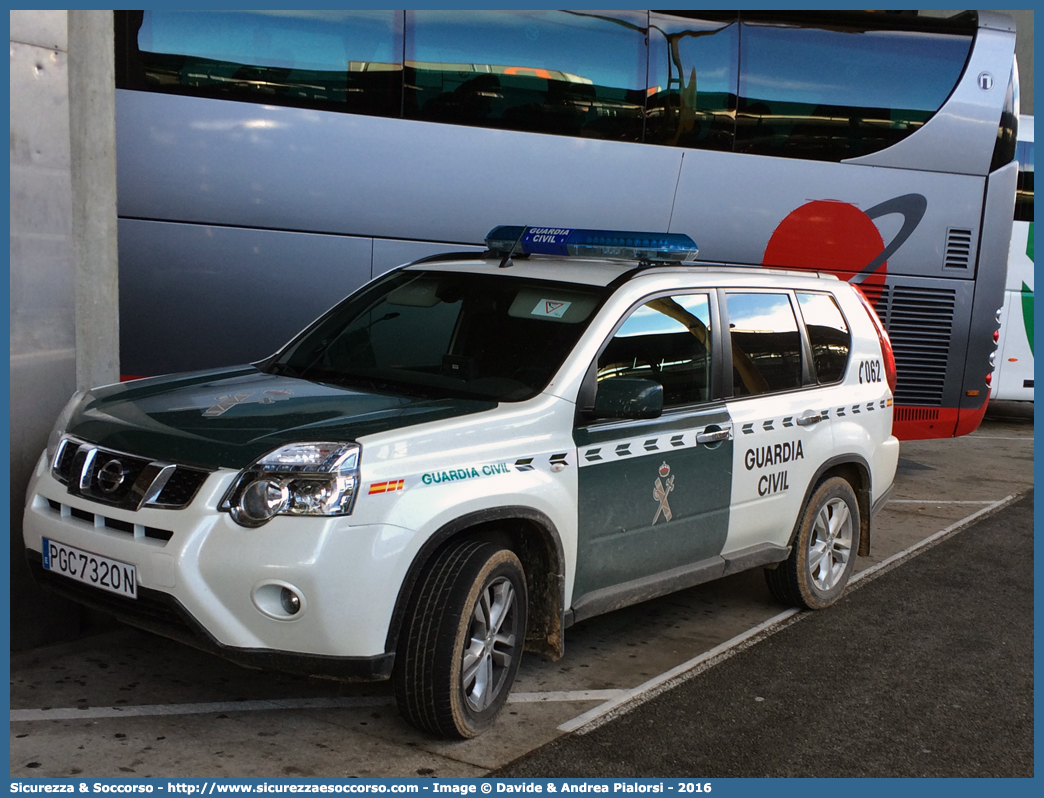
[
  {"x": 59, "y": 426},
  {"x": 298, "y": 479}
]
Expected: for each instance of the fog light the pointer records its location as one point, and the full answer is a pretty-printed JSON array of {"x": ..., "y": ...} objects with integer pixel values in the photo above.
[
  {"x": 279, "y": 600},
  {"x": 290, "y": 600}
]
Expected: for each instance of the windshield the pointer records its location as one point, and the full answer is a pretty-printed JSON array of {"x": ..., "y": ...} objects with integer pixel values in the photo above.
[{"x": 439, "y": 334}]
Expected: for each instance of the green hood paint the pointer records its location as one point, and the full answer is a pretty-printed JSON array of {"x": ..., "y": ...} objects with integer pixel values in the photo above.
[{"x": 230, "y": 417}]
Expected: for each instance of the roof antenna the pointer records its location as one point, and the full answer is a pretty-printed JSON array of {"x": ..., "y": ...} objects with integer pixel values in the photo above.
[{"x": 507, "y": 262}]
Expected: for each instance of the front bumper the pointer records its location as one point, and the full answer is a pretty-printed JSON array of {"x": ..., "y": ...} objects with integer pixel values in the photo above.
[
  {"x": 161, "y": 613},
  {"x": 203, "y": 580}
]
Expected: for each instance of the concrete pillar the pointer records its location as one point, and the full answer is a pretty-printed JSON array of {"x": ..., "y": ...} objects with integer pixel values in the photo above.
[
  {"x": 64, "y": 300},
  {"x": 92, "y": 126},
  {"x": 43, "y": 336}
]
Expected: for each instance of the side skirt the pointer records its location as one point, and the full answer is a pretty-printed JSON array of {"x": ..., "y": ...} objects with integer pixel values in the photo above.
[{"x": 608, "y": 599}]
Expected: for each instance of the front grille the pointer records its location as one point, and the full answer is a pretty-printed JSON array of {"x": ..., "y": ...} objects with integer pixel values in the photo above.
[
  {"x": 125, "y": 480},
  {"x": 99, "y": 521},
  {"x": 181, "y": 487},
  {"x": 92, "y": 475},
  {"x": 66, "y": 455},
  {"x": 920, "y": 324}
]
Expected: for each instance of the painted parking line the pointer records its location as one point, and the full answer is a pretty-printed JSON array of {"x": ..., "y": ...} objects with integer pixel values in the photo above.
[
  {"x": 1000, "y": 438},
  {"x": 931, "y": 540},
  {"x": 364, "y": 702},
  {"x": 629, "y": 699},
  {"x": 935, "y": 501}
]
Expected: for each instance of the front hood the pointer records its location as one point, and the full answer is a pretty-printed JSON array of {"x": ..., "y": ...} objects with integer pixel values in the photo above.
[{"x": 230, "y": 417}]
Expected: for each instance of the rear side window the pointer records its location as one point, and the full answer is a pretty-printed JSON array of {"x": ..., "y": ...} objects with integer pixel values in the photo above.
[
  {"x": 571, "y": 73},
  {"x": 828, "y": 334},
  {"x": 334, "y": 60},
  {"x": 692, "y": 82},
  {"x": 766, "y": 345}
]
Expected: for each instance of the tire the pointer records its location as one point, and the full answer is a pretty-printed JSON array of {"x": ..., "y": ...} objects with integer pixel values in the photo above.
[
  {"x": 462, "y": 640},
  {"x": 824, "y": 550}
]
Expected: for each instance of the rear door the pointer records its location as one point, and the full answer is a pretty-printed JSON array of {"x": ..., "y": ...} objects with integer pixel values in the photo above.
[{"x": 779, "y": 407}]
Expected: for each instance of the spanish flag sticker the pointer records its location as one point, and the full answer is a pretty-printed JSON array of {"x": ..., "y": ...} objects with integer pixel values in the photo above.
[{"x": 387, "y": 487}]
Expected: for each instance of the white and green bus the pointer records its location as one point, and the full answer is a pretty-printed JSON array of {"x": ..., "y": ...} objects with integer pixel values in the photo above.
[{"x": 1013, "y": 375}]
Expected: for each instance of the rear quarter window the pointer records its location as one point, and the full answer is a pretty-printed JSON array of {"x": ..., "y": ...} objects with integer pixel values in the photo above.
[{"x": 828, "y": 335}]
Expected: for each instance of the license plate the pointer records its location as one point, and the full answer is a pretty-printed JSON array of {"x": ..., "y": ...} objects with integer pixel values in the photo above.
[{"x": 112, "y": 575}]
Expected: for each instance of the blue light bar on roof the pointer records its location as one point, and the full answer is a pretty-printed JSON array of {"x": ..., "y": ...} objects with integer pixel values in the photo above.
[{"x": 614, "y": 244}]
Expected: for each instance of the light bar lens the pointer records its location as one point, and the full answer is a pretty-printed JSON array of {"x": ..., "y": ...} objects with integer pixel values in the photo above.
[{"x": 613, "y": 244}]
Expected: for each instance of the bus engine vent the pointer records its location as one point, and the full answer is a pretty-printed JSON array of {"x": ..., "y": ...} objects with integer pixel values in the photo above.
[
  {"x": 958, "y": 248},
  {"x": 920, "y": 323}
]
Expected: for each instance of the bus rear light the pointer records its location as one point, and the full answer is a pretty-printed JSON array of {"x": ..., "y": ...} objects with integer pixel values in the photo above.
[
  {"x": 996, "y": 336},
  {"x": 882, "y": 335},
  {"x": 989, "y": 378}
]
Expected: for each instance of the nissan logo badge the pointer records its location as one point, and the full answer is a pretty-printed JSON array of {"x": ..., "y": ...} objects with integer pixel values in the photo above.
[{"x": 111, "y": 476}]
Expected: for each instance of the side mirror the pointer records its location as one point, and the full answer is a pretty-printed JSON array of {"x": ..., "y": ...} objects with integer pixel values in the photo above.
[{"x": 628, "y": 397}]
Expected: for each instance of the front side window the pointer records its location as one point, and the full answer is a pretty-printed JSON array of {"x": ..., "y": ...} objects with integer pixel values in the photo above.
[
  {"x": 666, "y": 340},
  {"x": 445, "y": 334},
  {"x": 766, "y": 344},
  {"x": 827, "y": 333},
  {"x": 571, "y": 73}
]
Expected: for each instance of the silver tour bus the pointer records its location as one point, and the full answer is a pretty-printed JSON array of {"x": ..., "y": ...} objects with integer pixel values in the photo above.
[{"x": 270, "y": 162}]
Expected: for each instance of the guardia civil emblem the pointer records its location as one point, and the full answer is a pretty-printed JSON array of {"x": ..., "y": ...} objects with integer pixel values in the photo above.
[
  {"x": 222, "y": 404},
  {"x": 661, "y": 491}
]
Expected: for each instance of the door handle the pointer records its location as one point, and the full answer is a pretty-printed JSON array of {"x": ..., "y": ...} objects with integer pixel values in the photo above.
[
  {"x": 810, "y": 417},
  {"x": 712, "y": 437}
]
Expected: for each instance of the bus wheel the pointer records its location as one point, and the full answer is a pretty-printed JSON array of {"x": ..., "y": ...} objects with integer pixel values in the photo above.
[
  {"x": 462, "y": 640},
  {"x": 823, "y": 555}
]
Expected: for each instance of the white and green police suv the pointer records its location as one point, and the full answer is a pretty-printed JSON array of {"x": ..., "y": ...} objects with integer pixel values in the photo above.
[{"x": 472, "y": 453}]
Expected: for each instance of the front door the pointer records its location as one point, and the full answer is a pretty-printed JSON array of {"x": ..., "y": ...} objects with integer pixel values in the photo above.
[{"x": 654, "y": 494}]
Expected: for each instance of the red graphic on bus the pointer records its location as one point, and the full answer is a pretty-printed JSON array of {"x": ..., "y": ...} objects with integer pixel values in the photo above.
[
  {"x": 828, "y": 236},
  {"x": 838, "y": 237}
]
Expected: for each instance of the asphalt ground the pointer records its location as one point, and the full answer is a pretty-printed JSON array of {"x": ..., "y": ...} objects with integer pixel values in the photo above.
[{"x": 924, "y": 670}]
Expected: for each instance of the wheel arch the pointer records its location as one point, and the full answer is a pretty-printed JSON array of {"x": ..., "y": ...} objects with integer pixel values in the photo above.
[
  {"x": 856, "y": 471},
  {"x": 534, "y": 539}
]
